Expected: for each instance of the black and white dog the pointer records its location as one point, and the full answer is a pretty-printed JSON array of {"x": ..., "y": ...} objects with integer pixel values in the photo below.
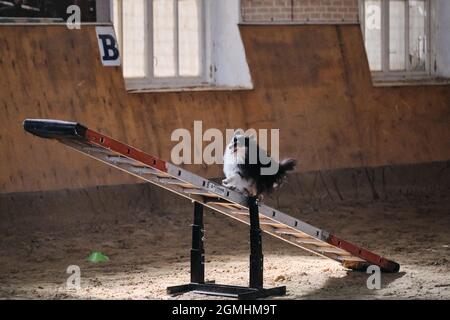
[{"x": 244, "y": 163}]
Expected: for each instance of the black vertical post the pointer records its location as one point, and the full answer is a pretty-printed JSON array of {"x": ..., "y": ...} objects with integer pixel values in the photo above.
[
  {"x": 256, "y": 255},
  {"x": 197, "y": 251}
]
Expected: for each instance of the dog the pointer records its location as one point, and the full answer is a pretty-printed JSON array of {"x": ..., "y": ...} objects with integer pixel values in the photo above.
[{"x": 244, "y": 174}]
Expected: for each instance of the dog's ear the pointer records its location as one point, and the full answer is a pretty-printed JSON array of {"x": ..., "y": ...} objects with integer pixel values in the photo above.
[{"x": 238, "y": 132}]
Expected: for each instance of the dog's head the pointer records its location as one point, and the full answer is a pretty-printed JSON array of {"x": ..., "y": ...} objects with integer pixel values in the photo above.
[{"x": 239, "y": 143}]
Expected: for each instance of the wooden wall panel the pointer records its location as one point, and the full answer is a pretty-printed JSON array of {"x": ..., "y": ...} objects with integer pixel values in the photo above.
[{"x": 312, "y": 82}]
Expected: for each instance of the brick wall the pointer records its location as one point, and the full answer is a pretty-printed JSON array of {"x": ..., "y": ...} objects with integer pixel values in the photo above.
[{"x": 302, "y": 11}]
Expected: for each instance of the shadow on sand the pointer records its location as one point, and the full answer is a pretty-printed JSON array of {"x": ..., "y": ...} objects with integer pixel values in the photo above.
[{"x": 352, "y": 286}]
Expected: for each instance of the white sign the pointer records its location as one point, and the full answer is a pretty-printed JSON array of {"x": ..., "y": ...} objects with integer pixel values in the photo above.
[{"x": 108, "y": 46}]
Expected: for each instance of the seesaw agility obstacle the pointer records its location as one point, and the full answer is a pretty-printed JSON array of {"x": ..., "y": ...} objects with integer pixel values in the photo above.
[{"x": 205, "y": 193}]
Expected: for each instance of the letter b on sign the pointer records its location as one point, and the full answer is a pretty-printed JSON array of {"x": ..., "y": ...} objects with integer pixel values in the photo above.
[{"x": 108, "y": 46}]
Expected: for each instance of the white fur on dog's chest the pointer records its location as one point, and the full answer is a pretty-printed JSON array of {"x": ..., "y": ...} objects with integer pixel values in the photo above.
[
  {"x": 234, "y": 179},
  {"x": 230, "y": 164}
]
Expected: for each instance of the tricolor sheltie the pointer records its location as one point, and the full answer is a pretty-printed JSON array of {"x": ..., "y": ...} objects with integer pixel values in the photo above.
[{"x": 243, "y": 168}]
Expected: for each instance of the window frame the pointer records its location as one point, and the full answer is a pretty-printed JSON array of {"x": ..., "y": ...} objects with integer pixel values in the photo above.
[
  {"x": 171, "y": 83},
  {"x": 401, "y": 75}
]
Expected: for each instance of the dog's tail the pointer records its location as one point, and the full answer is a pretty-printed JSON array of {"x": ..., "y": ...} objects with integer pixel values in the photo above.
[
  {"x": 284, "y": 166},
  {"x": 266, "y": 184}
]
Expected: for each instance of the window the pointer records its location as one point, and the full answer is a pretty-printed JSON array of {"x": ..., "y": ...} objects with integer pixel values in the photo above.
[
  {"x": 163, "y": 43},
  {"x": 397, "y": 38}
]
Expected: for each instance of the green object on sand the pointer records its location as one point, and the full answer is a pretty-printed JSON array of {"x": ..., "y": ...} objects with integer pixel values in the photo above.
[{"x": 97, "y": 257}]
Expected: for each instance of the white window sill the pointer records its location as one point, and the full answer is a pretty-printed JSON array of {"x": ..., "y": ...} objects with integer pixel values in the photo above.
[
  {"x": 379, "y": 81},
  {"x": 189, "y": 88},
  {"x": 6, "y": 21}
]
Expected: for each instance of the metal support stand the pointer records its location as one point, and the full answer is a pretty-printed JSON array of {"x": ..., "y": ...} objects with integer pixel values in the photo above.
[
  {"x": 198, "y": 285},
  {"x": 256, "y": 254},
  {"x": 197, "y": 251}
]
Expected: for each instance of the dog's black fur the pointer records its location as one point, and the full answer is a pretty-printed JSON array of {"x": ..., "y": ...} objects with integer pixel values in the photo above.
[{"x": 252, "y": 171}]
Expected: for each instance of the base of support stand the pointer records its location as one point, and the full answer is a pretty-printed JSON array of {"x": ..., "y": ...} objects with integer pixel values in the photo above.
[
  {"x": 227, "y": 291},
  {"x": 197, "y": 285}
]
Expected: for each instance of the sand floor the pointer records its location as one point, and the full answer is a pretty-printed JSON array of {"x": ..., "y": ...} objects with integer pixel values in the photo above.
[{"x": 150, "y": 251}]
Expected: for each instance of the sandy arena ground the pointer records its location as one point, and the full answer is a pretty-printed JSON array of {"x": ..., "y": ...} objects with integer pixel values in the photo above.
[{"x": 150, "y": 251}]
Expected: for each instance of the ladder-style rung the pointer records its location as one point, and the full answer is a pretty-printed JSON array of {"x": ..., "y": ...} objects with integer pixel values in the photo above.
[
  {"x": 121, "y": 160},
  {"x": 147, "y": 170},
  {"x": 98, "y": 150},
  {"x": 271, "y": 223},
  {"x": 311, "y": 241},
  {"x": 333, "y": 250},
  {"x": 230, "y": 206},
  {"x": 286, "y": 231},
  {"x": 220, "y": 202},
  {"x": 263, "y": 218},
  {"x": 200, "y": 193},
  {"x": 225, "y": 203},
  {"x": 235, "y": 206},
  {"x": 240, "y": 212},
  {"x": 173, "y": 181}
]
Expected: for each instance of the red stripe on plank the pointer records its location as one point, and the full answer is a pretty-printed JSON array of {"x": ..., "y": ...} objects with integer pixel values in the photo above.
[
  {"x": 125, "y": 150},
  {"x": 385, "y": 264}
]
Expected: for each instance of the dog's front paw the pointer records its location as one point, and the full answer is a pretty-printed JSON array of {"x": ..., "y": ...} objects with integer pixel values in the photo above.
[{"x": 228, "y": 185}]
